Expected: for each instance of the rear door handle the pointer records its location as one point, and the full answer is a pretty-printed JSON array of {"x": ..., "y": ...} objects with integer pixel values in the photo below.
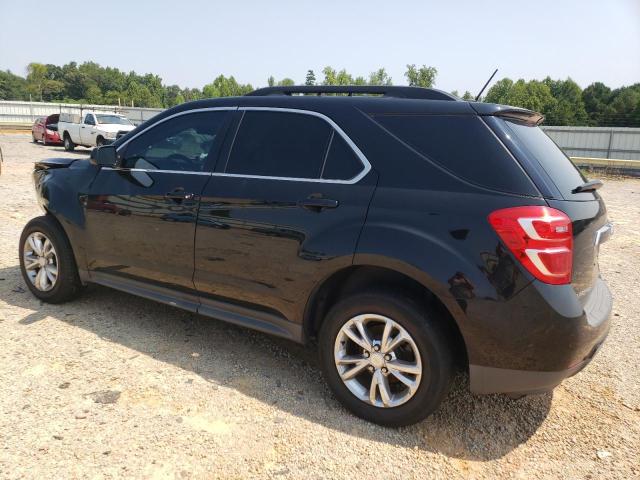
[{"x": 317, "y": 204}]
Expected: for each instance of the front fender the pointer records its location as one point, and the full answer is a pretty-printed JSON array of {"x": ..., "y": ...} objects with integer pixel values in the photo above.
[{"x": 61, "y": 192}]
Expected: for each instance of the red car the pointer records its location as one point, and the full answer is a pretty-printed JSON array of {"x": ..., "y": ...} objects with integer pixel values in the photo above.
[{"x": 45, "y": 130}]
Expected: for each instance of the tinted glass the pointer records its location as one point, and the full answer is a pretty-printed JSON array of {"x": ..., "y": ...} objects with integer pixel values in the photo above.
[
  {"x": 557, "y": 165},
  {"x": 279, "y": 144},
  {"x": 464, "y": 145},
  {"x": 182, "y": 143},
  {"x": 341, "y": 163}
]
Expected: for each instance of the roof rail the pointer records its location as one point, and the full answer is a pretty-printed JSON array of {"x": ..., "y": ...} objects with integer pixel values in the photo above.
[{"x": 350, "y": 90}]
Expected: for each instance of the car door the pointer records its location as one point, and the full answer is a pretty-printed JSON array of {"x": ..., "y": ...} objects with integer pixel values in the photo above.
[
  {"x": 39, "y": 129},
  {"x": 87, "y": 130},
  {"x": 141, "y": 216},
  {"x": 282, "y": 212}
]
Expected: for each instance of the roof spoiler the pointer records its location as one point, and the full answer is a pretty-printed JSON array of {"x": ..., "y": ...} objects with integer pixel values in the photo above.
[{"x": 528, "y": 117}]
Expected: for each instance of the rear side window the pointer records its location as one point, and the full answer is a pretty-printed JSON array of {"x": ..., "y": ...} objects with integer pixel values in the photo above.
[
  {"x": 341, "y": 163},
  {"x": 557, "y": 165},
  {"x": 464, "y": 145},
  {"x": 279, "y": 144}
]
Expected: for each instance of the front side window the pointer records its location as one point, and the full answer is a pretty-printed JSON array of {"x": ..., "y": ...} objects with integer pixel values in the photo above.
[
  {"x": 279, "y": 144},
  {"x": 182, "y": 143}
]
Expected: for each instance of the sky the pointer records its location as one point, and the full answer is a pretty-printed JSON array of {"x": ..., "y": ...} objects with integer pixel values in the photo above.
[{"x": 190, "y": 42}]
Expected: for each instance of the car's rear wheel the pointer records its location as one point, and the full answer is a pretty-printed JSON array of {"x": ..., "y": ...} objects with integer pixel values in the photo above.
[
  {"x": 386, "y": 358},
  {"x": 69, "y": 146},
  {"x": 99, "y": 142},
  {"x": 46, "y": 261}
]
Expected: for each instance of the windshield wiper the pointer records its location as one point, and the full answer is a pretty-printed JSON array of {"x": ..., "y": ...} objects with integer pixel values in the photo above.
[{"x": 590, "y": 186}]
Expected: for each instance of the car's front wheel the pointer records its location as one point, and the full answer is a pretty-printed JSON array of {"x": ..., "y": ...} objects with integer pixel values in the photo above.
[
  {"x": 386, "y": 358},
  {"x": 46, "y": 261},
  {"x": 69, "y": 146}
]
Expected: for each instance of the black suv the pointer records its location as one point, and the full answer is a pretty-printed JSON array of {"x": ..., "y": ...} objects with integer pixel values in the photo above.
[{"x": 404, "y": 230}]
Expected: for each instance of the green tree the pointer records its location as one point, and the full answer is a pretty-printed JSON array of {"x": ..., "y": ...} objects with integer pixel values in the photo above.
[
  {"x": 468, "y": 96},
  {"x": 625, "y": 104},
  {"x": 333, "y": 77},
  {"x": 12, "y": 87},
  {"x": 225, "y": 87},
  {"x": 271, "y": 81},
  {"x": 286, "y": 82},
  {"x": 380, "y": 77},
  {"x": 568, "y": 108},
  {"x": 421, "y": 77},
  {"x": 597, "y": 100},
  {"x": 499, "y": 91},
  {"x": 311, "y": 78}
]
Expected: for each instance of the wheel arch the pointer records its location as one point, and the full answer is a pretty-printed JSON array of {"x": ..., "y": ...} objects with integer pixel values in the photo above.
[{"x": 355, "y": 278}]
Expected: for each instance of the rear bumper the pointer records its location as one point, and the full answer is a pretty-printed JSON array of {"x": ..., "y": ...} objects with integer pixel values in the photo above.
[
  {"x": 485, "y": 380},
  {"x": 562, "y": 345}
]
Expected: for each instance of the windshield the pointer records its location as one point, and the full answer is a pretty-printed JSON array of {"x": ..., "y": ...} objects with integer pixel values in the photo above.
[{"x": 117, "y": 119}]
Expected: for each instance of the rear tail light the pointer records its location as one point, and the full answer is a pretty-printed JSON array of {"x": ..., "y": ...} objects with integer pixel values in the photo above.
[{"x": 541, "y": 238}]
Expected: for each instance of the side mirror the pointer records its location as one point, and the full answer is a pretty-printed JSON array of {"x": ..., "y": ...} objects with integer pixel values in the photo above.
[{"x": 104, "y": 156}]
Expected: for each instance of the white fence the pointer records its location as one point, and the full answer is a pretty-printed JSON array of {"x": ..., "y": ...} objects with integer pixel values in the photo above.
[
  {"x": 25, "y": 113},
  {"x": 598, "y": 142}
]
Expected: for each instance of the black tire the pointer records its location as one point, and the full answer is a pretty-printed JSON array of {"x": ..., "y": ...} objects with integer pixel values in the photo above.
[
  {"x": 33, "y": 138},
  {"x": 69, "y": 146},
  {"x": 99, "y": 142},
  {"x": 432, "y": 342},
  {"x": 67, "y": 285}
]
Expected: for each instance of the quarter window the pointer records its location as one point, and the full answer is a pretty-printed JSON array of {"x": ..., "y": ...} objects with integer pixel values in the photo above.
[
  {"x": 279, "y": 144},
  {"x": 182, "y": 143},
  {"x": 88, "y": 120},
  {"x": 341, "y": 163}
]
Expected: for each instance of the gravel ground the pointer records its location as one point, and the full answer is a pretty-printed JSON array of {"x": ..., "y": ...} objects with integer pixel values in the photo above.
[{"x": 112, "y": 385}]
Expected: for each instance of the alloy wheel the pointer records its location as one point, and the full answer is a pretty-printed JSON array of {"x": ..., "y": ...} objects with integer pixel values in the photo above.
[
  {"x": 40, "y": 261},
  {"x": 377, "y": 360}
]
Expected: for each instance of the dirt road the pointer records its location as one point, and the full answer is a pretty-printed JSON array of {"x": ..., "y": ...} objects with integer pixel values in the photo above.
[{"x": 113, "y": 386}]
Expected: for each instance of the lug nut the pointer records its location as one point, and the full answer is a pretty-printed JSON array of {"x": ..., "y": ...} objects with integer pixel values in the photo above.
[
  {"x": 376, "y": 348},
  {"x": 371, "y": 369},
  {"x": 366, "y": 354},
  {"x": 387, "y": 357},
  {"x": 384, "y": 370}
]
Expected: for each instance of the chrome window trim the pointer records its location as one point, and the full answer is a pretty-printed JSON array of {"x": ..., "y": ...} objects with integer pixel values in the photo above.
[
  {"x": 184, "y": 112},
  {"x": 363, "y": 159}
]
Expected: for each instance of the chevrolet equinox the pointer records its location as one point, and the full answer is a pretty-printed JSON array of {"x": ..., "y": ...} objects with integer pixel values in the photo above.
[{"x": 405, "y": 231}]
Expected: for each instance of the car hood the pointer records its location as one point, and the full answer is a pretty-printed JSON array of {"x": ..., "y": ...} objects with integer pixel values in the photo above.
[{"x": 115, "y": 127}]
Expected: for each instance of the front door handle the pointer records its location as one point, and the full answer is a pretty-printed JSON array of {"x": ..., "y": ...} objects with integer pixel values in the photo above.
[
  {"x": 179, "y": 194},
  {"x": 316, "y": 204}
]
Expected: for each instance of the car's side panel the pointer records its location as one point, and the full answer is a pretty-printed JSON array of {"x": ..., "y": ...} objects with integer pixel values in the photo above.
[
  {"x": 62, "y": 192},
  {"x": 256, "y": 245},
  {"x": 134, "y": 230},
  {"x": 443, "y": 240}
]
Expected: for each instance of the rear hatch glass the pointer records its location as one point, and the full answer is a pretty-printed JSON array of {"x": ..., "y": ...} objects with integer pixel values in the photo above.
[{"x": 554, "y": 162}]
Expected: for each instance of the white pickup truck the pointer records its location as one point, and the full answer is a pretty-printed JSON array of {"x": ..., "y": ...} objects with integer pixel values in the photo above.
[{"x": 92, "y": 130}]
